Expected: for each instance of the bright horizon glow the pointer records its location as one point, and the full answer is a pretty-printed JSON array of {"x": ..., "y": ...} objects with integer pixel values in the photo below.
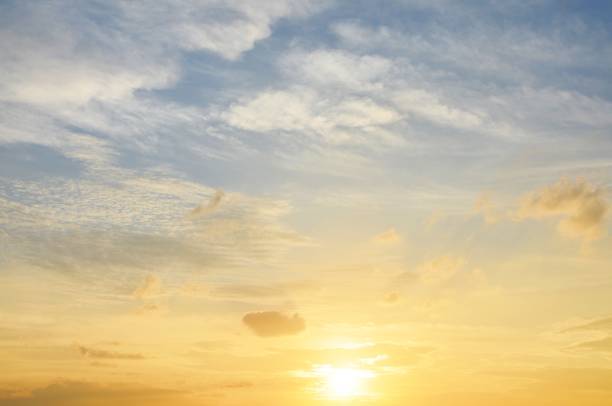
[{"x": 343, "y": 382}]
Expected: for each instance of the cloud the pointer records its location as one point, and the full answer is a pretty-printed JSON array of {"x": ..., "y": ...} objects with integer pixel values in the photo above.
[
  {"x": 304, "y": 110},
  {"x": 148, "y": 308},
  {"x": 94, "y": 353},
  {"x": 581, "y": 206},
  {"x": 440, "y": 270},
  {"x": 247, "y": 291},
  {"x": 273, "y": 324},
  {"x": 392, "y": 298},
  {"x": 262, "y": 291},
  {"x": 602, "y": 345},
  {"x": 209, "y": 207},
  {"x": 103, "y": 227},
  {"x": 150, "y": 286},
  {"x": 604, "y": 324},
  {"x": 74, "y": 393},
  {"x": 426, "y": 105},
  {"x": 487, "y": 208},
  {"x": 390, "y": 236},
  {"x": 488, "y": 55},
  {"x": 335, "y": 67},
  {"x": 53, "y": 56}
]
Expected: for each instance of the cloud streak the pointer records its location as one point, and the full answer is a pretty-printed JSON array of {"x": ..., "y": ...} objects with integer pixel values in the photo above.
[
  {"x": 212, "y": 205},
  {"x": 95, "y": 353}
]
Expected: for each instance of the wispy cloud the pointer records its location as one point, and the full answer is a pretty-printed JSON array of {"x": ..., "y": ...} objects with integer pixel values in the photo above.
[
  {"x": 96, "y": 353},
  {"x": 390, "y": 236}
]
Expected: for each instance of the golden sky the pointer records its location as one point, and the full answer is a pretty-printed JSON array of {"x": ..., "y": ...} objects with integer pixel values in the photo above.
[{"x": 310, "y": 203}]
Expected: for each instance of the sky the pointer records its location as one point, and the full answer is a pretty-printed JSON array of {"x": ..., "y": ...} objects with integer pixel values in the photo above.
[{"x": 305, "y": 202}]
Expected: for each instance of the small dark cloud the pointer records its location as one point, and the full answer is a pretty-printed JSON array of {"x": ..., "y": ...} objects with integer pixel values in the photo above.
[
  {"x": 272, "y": 324},
  {"x": 208, "y": 207},
  {"x": 391, "y": 298},
  {"x": 94, "y": 353}
]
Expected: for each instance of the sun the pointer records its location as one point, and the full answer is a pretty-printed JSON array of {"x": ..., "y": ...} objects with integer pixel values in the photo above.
[{"x": 343, "y": 382}]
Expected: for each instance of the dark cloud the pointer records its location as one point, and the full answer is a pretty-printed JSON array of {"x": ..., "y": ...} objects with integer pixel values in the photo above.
[
  {"x": 210, "y": 206},
  {"x": 272, "y": 324}
]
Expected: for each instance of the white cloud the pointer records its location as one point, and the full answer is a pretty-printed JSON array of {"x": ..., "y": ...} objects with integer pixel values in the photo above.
[
  {"x": 300, "y": 109},
  {"x": 275, "y": 110},
  {"x": 327, "y": 67},
  {"x": 228, "y": 28},
  {"x": 427, "y": 106},
  {"x": 57, "y": 54}
]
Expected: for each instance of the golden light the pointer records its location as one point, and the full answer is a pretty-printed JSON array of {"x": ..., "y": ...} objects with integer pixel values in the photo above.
[{"x": 343, "y": 382}]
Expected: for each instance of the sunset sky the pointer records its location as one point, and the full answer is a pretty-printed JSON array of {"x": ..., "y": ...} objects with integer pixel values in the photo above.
[{"x": 305, "y": 202}]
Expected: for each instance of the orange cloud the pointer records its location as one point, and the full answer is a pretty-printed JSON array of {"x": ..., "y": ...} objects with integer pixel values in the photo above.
[
  {"x": 582, "y": 206},
  {"x": 272, "y": 324}
]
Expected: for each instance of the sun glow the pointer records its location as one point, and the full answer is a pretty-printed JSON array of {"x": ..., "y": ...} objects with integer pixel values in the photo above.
[{"x": 343, "y": 382}]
